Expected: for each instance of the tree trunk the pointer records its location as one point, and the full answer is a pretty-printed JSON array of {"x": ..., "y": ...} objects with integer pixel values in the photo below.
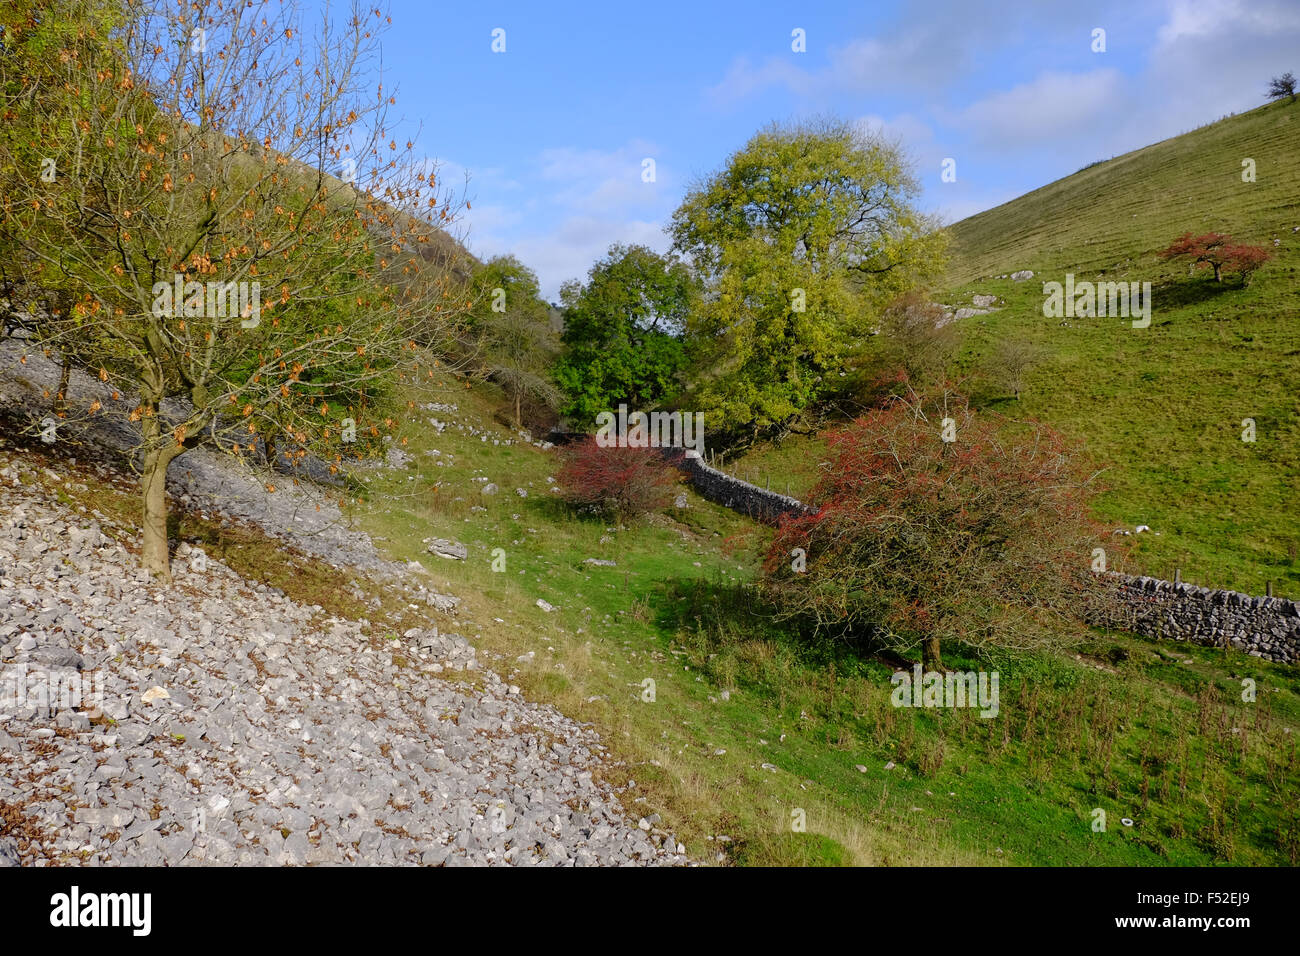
[
  {"x": 1218, "y": 272},
  {"x": 518, "y": 423},
  {"x": 930, "y": 652},
  {"x": 61, "y": 399},
  {"x": 154, "y": 555}
]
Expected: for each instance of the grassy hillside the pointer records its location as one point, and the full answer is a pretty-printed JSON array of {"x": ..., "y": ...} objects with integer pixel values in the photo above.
[
  {"x": 1161, "y": 407},
  {"x": 1111, "y": 216},
  {"x": 1164, "y": 406}
]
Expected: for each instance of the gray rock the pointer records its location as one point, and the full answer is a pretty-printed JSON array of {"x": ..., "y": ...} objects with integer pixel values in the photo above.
[
  {"x": 58, "y": 657},
  {"x": 278, "y": 719},
  {"x": 441, "y": 602},
  {"x": 444, "y": 548}
]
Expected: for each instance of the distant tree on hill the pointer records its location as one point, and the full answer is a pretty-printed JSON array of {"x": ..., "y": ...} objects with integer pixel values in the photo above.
[
  {"x": 1281, "y": 86},
  {"x": 622, "y": 334},
  {"x": 804, "y": 234},
  {"x": 1219, "y": 252},
  {"x": 1011, "y": 362},
  {"x": 934, "y": 524}
]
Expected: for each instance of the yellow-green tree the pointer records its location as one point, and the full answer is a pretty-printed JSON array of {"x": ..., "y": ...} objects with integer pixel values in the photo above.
[{"x": 801, "y": 238}]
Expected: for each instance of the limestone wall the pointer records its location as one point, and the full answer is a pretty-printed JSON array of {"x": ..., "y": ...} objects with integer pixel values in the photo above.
[{"x": 1262, "y": 626}]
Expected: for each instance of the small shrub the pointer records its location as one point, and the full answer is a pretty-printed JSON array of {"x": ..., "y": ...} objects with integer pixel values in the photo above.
[
  {"x": 917, "y": 339},
  {"x": 617, "y": 481}
]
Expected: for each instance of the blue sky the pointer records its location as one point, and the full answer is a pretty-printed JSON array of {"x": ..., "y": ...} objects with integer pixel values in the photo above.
[{"x": 553, "y": 132}]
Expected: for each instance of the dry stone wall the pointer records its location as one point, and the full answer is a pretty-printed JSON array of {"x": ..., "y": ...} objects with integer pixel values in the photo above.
[
  {"x": 720, "y": 488},
  {"x": 1265, "y": 627}
]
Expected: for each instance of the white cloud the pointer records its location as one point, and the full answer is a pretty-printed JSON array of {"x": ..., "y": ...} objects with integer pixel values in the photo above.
[
  {"x": 569, "y": 250},
  {"x": 929, "y": 48},
  {"x": 493, "y": 217},
  {"x": 744, "y": 78},
  {"x": 915, "y": 137},
  {"x": 1213, "y": 57},
  {"x": 582, "y": 201},
  {"x": 592, "y": 181},
  {"x": 1054, "y": 110},
  {"x": 1219, "y": 19}
]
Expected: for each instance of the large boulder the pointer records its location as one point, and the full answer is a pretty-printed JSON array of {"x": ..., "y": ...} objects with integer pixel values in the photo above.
[{"x": 444, "y": 548}]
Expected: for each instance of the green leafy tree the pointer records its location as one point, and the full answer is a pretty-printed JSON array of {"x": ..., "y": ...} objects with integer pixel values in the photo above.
[
  {"x": 623, "y": 332},
  {"x": 800, "y": 239},
  {"x": 513, "y": 323}
]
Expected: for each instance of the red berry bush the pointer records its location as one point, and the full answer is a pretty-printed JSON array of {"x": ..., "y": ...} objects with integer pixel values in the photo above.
[
  {"x": 1217, "y": 251},
  {"x": 984, "y": 539},
  {"x": 619, "y": 482}
]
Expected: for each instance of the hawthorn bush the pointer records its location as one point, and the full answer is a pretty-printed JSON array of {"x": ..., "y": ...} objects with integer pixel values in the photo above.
[
  {"x": 985, "y": 539},
  {"x": 1217, "y": 251},
  {"x": 616, "y": 481}
]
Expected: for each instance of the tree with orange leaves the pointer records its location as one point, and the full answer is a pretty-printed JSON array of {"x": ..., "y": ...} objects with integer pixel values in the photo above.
[
  {"x": 238, "y": 233},
  {"x": 1217, "y": 251}
]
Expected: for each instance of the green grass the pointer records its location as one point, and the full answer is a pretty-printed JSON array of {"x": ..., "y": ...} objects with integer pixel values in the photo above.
[
  {"x": 1138, "y": 729},
  {"x": 1164, "y": 406}
]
